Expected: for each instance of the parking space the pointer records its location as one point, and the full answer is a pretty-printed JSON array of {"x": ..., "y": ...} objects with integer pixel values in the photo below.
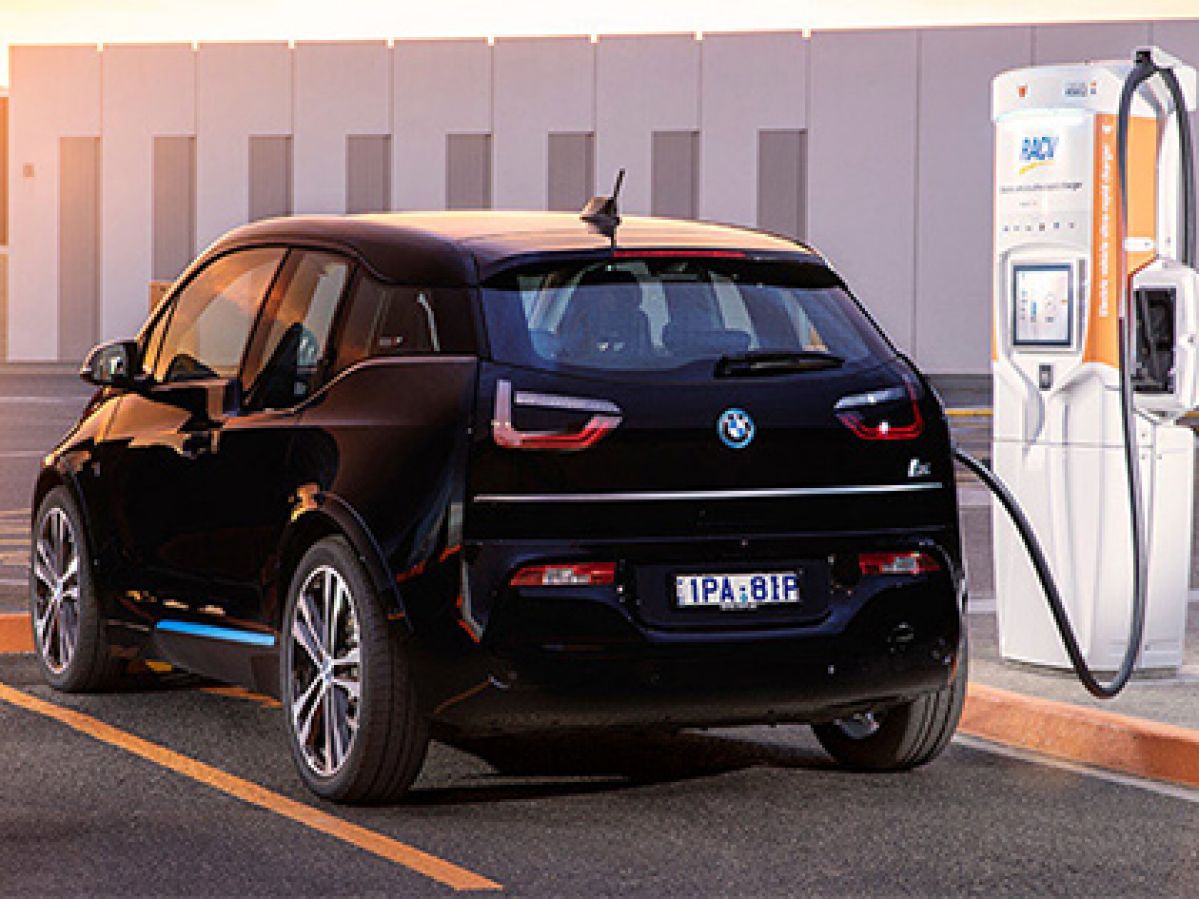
[
  {"x": 111, "y": 798},
  {"x": 174, "y": 785}
]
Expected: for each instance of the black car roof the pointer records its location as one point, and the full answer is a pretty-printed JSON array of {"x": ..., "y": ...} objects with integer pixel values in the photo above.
[{"x": 456, "y": 248}]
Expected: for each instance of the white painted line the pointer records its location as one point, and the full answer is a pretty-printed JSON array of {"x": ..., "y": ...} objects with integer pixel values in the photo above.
[
  {"x": 1126, "y": 780},
  {"x": 42, "y": 400},
  {"x": 13, "y": 582},
  {"x": 23, "y": 454}
]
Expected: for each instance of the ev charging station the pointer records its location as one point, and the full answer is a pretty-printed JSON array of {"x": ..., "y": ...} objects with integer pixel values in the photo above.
[{"x": 1066, "y": 252}]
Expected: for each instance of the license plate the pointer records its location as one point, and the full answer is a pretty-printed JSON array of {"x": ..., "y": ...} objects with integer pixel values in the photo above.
[{"x": 737, "y": 592}]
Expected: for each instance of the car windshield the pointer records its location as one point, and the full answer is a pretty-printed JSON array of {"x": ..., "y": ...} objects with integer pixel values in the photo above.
[{"x": 665, "y": 313}]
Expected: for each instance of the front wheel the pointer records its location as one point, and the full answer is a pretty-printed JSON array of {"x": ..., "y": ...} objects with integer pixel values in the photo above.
[
  {"x": 902, "y": 737},
  {"x": 349, "y": 706}
]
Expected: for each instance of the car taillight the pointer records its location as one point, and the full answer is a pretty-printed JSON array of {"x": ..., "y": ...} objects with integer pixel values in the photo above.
[
  {"x": 573, "y": 574},
  {"x": 892, "y": 413},
  {"x": 605, "y": 417},
  {"x": 909, "y": 563}
]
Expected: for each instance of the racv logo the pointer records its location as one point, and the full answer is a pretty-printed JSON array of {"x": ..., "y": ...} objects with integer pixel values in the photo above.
[{"x": 1037, "y": 151}]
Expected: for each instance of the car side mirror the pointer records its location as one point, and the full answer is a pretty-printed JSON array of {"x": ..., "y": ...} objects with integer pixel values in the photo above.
[{"x": 113, "y": 364}]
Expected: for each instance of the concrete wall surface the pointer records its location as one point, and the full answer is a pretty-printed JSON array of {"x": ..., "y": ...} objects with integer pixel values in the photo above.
[{"x": 873, "y": 145}]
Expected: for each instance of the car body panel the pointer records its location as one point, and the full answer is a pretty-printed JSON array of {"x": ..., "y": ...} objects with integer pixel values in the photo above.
[{"x": 198, "y": 512}]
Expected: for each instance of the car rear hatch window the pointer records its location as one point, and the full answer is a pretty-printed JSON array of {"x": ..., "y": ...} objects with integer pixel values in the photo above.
[{"x": 681, "y": 316}]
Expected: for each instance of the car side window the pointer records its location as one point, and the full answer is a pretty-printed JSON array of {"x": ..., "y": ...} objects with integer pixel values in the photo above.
[
  {"x": 212, "y": 316},
  {"x": 387, "y": 319},
  {"x": 290, "y": 349}
]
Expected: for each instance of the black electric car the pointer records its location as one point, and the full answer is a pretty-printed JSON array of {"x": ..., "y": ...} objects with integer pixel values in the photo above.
[{"x": 491, "y": 476}]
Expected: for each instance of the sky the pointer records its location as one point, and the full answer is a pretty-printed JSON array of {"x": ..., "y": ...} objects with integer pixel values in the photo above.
[{"x": 113, "y": 21}]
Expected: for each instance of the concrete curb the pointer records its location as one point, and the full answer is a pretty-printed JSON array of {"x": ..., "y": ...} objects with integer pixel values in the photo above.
[
  {"x": 1095, "y": 737},
  {"x": 16, "y": 634}
]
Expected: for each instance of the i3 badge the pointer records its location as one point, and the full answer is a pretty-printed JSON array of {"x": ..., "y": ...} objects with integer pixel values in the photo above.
[{"x": 735, "y": 428}]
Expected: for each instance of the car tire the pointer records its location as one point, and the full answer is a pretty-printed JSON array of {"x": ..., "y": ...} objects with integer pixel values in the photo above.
[
  {"x": 349, "y": 706},
  {"x": 69, "y": 636},
  {"x": 902, "y": 737}
]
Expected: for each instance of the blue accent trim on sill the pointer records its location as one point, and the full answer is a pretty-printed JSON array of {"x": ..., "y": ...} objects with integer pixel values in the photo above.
[{"x": 233, "y": 635}]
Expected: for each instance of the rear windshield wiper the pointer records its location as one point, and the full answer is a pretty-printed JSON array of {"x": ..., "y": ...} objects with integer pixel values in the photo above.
[{"x": 770, "y": 362}]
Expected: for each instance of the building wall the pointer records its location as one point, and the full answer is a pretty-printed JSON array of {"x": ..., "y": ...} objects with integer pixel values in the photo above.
[{"x": 875, "y": 145}]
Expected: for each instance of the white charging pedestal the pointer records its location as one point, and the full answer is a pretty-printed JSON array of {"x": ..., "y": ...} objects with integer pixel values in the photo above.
[{"x": 1057, "y": 432}]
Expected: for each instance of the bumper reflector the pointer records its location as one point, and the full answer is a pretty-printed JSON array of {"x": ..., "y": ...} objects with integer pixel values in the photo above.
[
  {"x": 575, "y": 574},
  {"x": 909, "y": 563}
]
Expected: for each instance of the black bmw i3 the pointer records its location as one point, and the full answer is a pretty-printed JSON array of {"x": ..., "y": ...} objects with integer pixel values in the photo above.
[{"x": 497, "y": 476}]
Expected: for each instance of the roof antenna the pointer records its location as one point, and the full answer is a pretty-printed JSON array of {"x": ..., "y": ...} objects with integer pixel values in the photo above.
[{"x": 602, "y": 213}]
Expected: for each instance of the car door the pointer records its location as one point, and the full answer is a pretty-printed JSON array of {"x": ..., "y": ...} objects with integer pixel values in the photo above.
[
  {"x": 157, "y": 451},
  {"x": 248, "y": 479}
]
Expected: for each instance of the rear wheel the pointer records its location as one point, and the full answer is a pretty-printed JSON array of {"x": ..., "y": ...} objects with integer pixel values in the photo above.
[
  {"x": 349, "y": 706},
  {"x": 902, "y": 737},
  {"x": 69, "y": 635}
]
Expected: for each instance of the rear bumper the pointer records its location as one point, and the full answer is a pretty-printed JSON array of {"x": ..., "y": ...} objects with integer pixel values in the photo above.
[{"x": 584, "y": 658}]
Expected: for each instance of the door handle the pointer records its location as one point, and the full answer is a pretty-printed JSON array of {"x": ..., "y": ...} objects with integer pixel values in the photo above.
[{"x": 196, "y": 444}]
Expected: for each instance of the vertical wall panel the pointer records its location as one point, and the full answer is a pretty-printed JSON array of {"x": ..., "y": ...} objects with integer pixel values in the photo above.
[
  {"x": 1182, "y": 39},
  {"x": 467, "y": 172},
  {"x": 173, "y": 223},
  {"x": 540, "y": 85},
  {"x": 3, "y": 174},
  {"x": 1077, "y": 43},
  {"x": 55, "y": 93},
  {"x": 441, "y": 89},
  {"x": 783, "y": 181},
  {"x": 368, "y": 172},
  {"x": 750, "y": 82},
  {"x": 241, "y": 90},
  {"x": 862, "y": 167},
  {"x": 148, "y": 91},
  {"x": 571, "y": 170},
  {"x": 954, "y": 213},
  {"x": 270, "y": 177},
  {"x": 643, "y": 84},
  {"x": 78, "y": 246},
  {"x": 674, "y": 173},
  {"x": 341, "y": 89}
]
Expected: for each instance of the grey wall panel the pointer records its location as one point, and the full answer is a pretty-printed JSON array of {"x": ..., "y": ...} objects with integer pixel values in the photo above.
[
  {"x": 468, "y": 171},
  {"x": 270, "y": 176},
  {"x": 1076, "y": 43},
  {"x": 79, "y": 246},
  {"x": 783, "y": 181},
  {"x": 571, "y": 170},
  {"x": 674, "y": 173},
  {"x": 862, "y": 166},
  {"x": 1182, "y": 39},
  {"x": 954, "y": 203},
  {"x": 173, "y": 206},
  {"x": 368, "y": 172}
]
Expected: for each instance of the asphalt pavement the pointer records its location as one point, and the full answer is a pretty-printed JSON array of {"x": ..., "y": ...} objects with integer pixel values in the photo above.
[
  {"x": 178, "y": 786},
  {"x": 755, "y": 811}
]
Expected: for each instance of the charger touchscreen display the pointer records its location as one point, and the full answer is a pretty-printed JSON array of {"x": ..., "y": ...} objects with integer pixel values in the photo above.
[{"x": 1043, "y": 308}]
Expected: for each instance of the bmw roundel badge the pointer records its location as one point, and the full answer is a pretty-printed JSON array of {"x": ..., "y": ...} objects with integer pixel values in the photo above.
[{"x": 735, "y": 428}]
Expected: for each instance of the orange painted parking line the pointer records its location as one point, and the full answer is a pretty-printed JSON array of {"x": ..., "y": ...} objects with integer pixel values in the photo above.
[
  {"x": 1094, "y": 737},
  {"x": 243, "y": 693},
  {"x": 16, "y": 633},
  {"x": 385, "y": 847},
  {"x": 968, "y": 413}
]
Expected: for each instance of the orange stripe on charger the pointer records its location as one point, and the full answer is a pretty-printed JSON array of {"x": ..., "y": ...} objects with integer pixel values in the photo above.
[{"x": 410, "y": 857}]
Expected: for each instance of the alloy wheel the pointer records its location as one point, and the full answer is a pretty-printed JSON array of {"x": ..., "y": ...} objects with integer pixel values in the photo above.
[
  {"x": 324, "y": 668},
  {"x": 56, "y": 590}
]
